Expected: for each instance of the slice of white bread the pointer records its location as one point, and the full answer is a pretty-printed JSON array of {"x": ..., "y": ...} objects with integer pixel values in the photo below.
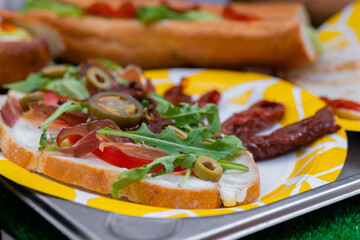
[{"x": 20, "y": 143}]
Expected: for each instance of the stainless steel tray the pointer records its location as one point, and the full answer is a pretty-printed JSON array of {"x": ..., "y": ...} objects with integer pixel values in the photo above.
[{"x": 81, "y": 222}]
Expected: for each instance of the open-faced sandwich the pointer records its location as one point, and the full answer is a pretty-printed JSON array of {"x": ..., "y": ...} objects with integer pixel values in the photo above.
[
  {"x": 104, "y": 128},
  {"x": 159, "y": 34},
  {"x": 24, "y": 46}
]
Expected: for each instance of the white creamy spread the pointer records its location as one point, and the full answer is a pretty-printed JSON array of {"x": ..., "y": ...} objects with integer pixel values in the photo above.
[
  {"x": 173, "y": 181},
  {"x": 233, "y": 184}
]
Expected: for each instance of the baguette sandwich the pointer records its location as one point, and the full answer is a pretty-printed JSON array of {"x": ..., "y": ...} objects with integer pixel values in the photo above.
[
  {"x": 158, "y": 34},
  {"x": 24, "y": 46},
  {"x": 186, "y": 166}
]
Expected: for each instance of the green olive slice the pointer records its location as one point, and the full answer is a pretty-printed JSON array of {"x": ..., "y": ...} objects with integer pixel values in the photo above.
[
  {"x": 121, "y": 108},
  {"x": 34, "y": 96},
  {"x": 98, "y": 79},
  {"x": 54, "y": 71},
  {"x": 208, "y": 169}
]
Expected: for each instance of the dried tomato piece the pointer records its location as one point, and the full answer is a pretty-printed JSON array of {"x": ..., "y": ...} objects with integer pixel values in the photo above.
[
  {"x": 258, "y": 117},
  {"x": 101, "y": 9},
  {"x": 176, "y": 94},
  {"x": 292, "y": 136},
  {"x": 125, "y": 10},
  {"x": 209, "y": 97}
]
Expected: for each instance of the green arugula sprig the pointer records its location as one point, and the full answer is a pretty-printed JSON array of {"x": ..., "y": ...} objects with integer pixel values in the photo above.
[
  {"x": 169, "y": 162},
  {"x": 187, "y": 116},
  {"x": 226, "y": 165},
  {"x": 182, "y": 152},
  {"x": 171, "y": 144},
  {"x": 44, "y": 142},
  {"x": 66, "y": 107}
]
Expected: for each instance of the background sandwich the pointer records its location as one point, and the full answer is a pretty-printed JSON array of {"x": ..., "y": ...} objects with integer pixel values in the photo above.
[{"x": 174, "y": 34}]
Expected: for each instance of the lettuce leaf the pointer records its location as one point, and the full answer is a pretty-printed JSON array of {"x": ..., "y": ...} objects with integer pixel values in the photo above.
[
  {"x": 33, "y": 82},
  {"x": 150, "y": 14},
  {"x": 61, "y": 9},
  {"x": 70, "y": 87}
]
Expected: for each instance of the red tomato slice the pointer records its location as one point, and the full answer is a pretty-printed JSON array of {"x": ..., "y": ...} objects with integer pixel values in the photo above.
[
  {"x": 51, "y": 97},
  {"x": 118, "y": 158}
]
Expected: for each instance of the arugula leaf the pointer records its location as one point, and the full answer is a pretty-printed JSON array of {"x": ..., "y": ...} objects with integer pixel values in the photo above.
[
  {"x": 44, "y": 142},
  {"x": 71, "y": 71},
  {"x": 60, "y": 8},
  {"x": 111, "y": 64},
  {"x": 66, "y": 107},
  {"x": 33, "y": 82},
  {"x": 201, "y": 16},
  {"x": 149, "y": 14},
  {"x": 187, "y": 116},
  {"x": 171, "y": 144},
  {"x": 226, "y": 165},
  {"x": 68, "y": 87},
  {"x": 186, "y": 177},
  {"x": 130, "y": 176}
]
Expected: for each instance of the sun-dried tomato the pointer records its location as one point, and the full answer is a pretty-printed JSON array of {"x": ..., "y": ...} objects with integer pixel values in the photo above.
[
  {"x": 293, "y": 135},
  {"x": 258, "y": 117},
  {"x": 209, "y": 97}
]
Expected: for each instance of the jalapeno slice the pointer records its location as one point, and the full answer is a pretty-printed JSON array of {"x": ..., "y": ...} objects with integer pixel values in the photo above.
[
  {"x": 121, "y": 108},
  {"x": 98, "y": 79},
  {"x": 208, "y": 169}
]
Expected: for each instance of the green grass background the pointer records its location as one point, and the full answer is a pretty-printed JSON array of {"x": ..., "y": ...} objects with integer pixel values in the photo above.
[{"x": 337, "y": 221}]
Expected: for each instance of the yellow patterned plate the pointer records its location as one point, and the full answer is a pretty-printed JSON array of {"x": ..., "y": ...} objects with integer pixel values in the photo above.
[
  {"x": 342, "y": 31},
  {"x": 308, "y": 167},
  {"x": 337, "y": 72}
]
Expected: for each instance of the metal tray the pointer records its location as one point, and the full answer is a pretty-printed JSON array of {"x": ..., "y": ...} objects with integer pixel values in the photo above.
[{"x": 81, "y": 222}]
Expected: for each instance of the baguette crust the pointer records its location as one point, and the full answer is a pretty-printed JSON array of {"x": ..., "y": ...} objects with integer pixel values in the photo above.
[
  {"x": 89, "y": 175},
  {"x": 19, "y": 58},
  {"x": 227, "y": 44}
]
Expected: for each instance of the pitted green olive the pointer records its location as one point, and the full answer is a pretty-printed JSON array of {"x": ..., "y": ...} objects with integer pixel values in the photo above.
[
  {"x": 207, "y": 169},
  {"x": 98, "y": 79},
  {"x": 121, "y": 108},
  {"x": 33, "y": 96},
  {"x": 54, "y": 71}
]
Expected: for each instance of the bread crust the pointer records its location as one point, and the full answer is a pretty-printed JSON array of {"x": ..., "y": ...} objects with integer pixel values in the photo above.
[
  {"x": 226, "y": 44},
  {"x": 19, "y": 58}
]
